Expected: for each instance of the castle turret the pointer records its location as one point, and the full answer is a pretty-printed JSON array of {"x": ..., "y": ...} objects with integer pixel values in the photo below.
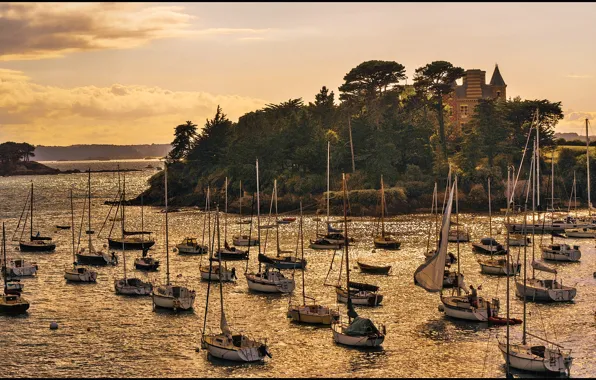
[{"x": 497, "y": 84}]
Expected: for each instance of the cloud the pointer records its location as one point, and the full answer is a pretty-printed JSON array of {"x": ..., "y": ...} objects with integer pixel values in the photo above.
[
  {"x": 575, "y": 121},
  {"x": 574, "y": 76},
  {"x": 50, "y": 30},
  {"x": 117, "y": 114}
]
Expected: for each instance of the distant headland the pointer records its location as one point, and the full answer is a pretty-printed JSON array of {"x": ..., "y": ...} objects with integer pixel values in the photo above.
[{"x": 100, "y": 152}]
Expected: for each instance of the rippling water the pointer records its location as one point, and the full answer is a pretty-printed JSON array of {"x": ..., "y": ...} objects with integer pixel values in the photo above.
[{"x": 103, "y": 334}]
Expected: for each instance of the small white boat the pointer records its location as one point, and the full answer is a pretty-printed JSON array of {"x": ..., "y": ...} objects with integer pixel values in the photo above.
[
  {"x": 21, "y": 268},
  {"x": 80, "y": 274},
  {"x": 361, "y": 332},
  {"x": 489, "y": 246},
  {"x": 244, "y": 241},
  {"x": 237, "y": 348},
  {"x": 499, "y": 267},
  {"x": 173, "y": 297},
  {"x": 217, "y": 273},
  {"x": 133, "y": 287},
  {"x": 360, "y": 294},
  {"x": 584, "y": 233},
  {"x": 537, "y": 358},
  {"x": 191, "y": 246},
  {"x": 459, "y": 307},
  {"x": 312, "y": 314},
  {"x": 561, "y": 252},
  {"x": 13, "y": 286},
  {"x": 270, "y": 281},
  {"x": 544, "y": 290}
]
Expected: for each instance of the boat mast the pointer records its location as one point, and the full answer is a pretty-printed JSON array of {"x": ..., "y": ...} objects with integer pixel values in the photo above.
[
  {"x": 276, "y": 224},
  {"x": 508, "y": 268},
  {"x": 219, "y": 257},
  {"x": 382, "y": 208},
  {"x": 89, "y": 209},
  {"x": 457, "y": 231},
  {"x": 73, "y": 229},
  {"x": 31, "y": 226},
  {"x": 490, "y": 218},
  {"x": 302, "y": 244},
  {"x": 142, "y": 223},
  {"x": 241, "y": 209},
  {"x": 587, "y": 169},
  {"x": 328, "y": 150},
  {"x": 343, "y": 175},
  {"x": 574, "y": 194},
  {"x": 123, "y": 199},
  {"x": 537, "y": 163},
  {"x": 225, "y": 215},
  {"x": 552, "y": 182},
  {"x": 535, "y": 184},
  {"x": 258, "y": 216},
  {"x": 167, "y": 245},
  {"x": 4, "y": 254},
  {"x": 124, "y": 254}
]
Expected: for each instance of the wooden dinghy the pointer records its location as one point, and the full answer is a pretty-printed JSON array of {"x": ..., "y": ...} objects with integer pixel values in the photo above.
[{"x": 373, "y": 269}]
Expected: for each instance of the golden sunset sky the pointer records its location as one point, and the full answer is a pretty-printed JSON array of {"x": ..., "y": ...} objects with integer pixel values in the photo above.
[{"x": 128, "y": 73}]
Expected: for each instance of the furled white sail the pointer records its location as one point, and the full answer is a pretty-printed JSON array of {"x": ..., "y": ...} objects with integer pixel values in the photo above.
[
  {"x": 223, "y": 324},
  {"x": 430, "y": 274},
  {"x": 542, "y": 267}
]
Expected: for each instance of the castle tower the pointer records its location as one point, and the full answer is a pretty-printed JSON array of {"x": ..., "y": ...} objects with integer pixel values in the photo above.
[{"x": 497, "y": 85}]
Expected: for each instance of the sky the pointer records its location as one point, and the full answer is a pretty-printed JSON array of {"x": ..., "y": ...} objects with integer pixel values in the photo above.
[{"x": 128, "y": 73}]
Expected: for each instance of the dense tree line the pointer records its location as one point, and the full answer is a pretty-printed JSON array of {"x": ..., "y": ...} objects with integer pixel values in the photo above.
[
  {"x": 398, "y": 131},
  {"x": 11, "y": 152}
]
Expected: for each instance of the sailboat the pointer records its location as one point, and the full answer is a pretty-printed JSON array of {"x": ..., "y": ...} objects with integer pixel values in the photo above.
[
  {"x": 333, "y": 239},
  {"x": 242, "y": 240},
  {"x": 356, "y": 292},
  {"x": 269, "y": 281},
  {"x": 129, "y": 240},
  {"x": 145, "y": 262},
  {"x": 497, "y": 266},
  {"x": 358, "y": 332},
  {"x": 77, "y": 273},
  {"x": 92, "y": 256},
  {"x": 310, "y": 313},
  {"x": 430, "y": 274},
  {"x": 36, "y": 243},
  {"x": 280, "y": 262},
  {"x": 537, "y": 289},
  {"x": 385, "y": 241},
  {"x": 21, "y": 268},
  {"x": 170, "y": 296},
  {"x": 10, "y": 303},
  {"x": 131, "y": 286},
  {"x": 190, "y": 245},
  {"x": 225, "y": 345},
  {"x": 226, "y": 252},
  {"x": 532, "y": 357},
  {"x": 217, "y": 272}
]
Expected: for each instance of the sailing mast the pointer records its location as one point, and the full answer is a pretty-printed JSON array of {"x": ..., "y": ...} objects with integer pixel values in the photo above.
[
  {"x": 276, "y": 215},
  {"x": 241, "y": 210},
  {"x": 457, "y": 231},
  {"x": 31, "y": 227},
  {"x": 328, "y": 150},
  {"x": 382, "y": 208},
  {"x": 552, "y": 182},
  {"x": 537, "y": 163},
  {"x": 350, "y": 307},
  {"x": 490, "y": 218},
  {"x": 167, "y": 245},
  {"x": 587, "y": 169},
  {"x": 258, "y": 216},
  {"x": 74, "y": 260},
  {"x": 302, "y": 248},
  {"x": 89, "y": 210},
  {"x": 226, "y": 215}
]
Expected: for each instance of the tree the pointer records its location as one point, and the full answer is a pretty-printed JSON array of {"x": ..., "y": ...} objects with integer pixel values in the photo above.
[
  {"x": 434, "y": 81},
  {"x": 371, "y": 78},
  {"x": 212, "y": 141},
  {"x": 185, "y": 135}
]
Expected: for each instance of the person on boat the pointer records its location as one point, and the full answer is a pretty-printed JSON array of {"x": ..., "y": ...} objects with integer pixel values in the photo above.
[
  {"x": 452, "y": 258},
  {"x": 145, "y": 250},
  {"x": 234, "y": 273},
  {"x": 473, "y": 297},
  {"x": 226, "y": 245}
]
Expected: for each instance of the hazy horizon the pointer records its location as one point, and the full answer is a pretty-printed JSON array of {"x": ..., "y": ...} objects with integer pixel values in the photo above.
[{"x": 128, "y": 73}]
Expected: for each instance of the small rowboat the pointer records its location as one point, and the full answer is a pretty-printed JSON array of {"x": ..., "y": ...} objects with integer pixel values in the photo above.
[
  {"x": 63, "y": 227},
  {"x": 503, "y": 321},
  {"x": 374, "y": 269}
]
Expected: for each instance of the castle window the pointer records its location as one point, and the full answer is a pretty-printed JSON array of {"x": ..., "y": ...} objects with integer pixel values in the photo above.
[
  {"x": 463, "y": 110},
  {"x": 498, "y": 94}
]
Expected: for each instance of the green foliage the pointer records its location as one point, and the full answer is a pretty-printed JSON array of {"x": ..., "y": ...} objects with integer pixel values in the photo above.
[
  {"x": 185, "y": 135},
  {"x": 12, "y": 152}
]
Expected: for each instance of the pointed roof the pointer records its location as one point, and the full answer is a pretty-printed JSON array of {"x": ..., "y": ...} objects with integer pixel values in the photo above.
[{"x": 497, "y": 79}]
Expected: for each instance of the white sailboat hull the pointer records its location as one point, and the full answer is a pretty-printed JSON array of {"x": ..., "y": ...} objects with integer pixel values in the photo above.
[
  {"x": 355, "y": 341},
  {"x": 266, "y": 286},
  {"x": 536, "y": 291},
  {"x": 458, "y": 307},
  {"x": 190, "y": 249},
  {"x": 243, "y": 241},
  {"x": 74, "y": 276},
  {"x": 362, "y": 298},
  {"x": 122, "y": 287},
  {"x": 164, "y": 297},
  {"x": 217, "y": 348},
  {"x": 500, "y": 270},
  {"x": 28, "y": 270},
  {"x": 226, "y": 275},
  {"x": 571, "y": 255},
  {"x": 522, "y": 358}
]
